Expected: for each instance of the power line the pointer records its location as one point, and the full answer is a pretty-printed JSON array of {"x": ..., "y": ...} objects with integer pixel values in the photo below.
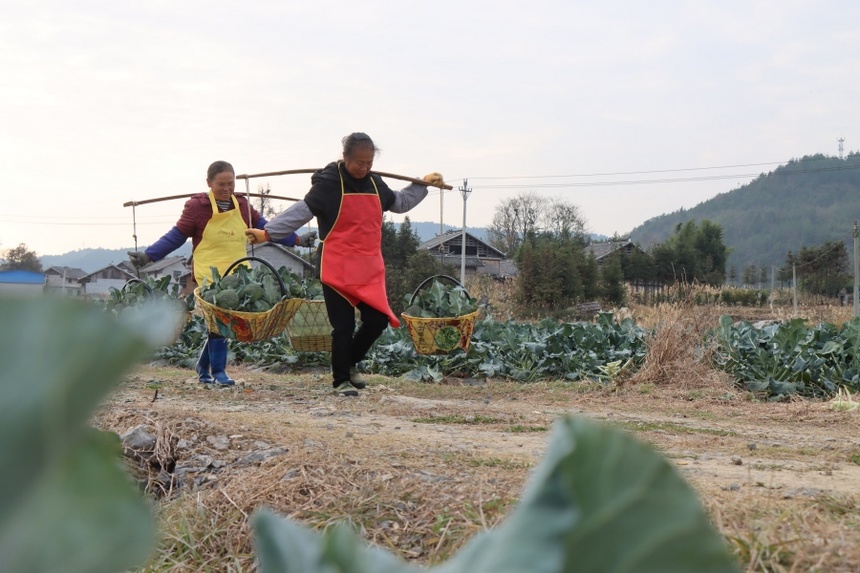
[
  {"x": 612, "y": 174},
  {"x": 52, "y": 222},
  {"x": 654, "y": 181}
]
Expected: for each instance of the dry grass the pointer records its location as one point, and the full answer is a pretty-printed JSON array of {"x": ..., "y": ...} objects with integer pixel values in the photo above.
[
  {"x": 419, "y": 468},
  {"x": 675, "y": 351},
  {"x": 419, "y": 502},
  {"x": 808, "y": 535}
]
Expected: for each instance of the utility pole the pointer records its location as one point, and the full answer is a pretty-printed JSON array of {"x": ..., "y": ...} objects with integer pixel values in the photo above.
[
  {"x": 441, "y": 212},
  {"x": 772, "y": 296},
  {"x": 794, "y": 286},
  {"x": 464, "y": 191},
  {"x": 856, "y": 271}
]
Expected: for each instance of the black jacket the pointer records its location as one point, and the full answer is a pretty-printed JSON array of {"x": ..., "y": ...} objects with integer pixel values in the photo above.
[{"x": 323, "y": 199}]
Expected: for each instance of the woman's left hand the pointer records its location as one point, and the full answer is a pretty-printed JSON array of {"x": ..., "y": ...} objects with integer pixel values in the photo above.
[
  {"x": 434, "y": 179},
  {"x": 257, "y": 236}
]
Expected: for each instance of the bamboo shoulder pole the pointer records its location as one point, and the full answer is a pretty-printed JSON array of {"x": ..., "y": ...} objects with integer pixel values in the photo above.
[
  {"x": 380, "y": 173},
  {"x": 157, "y": 199},
  {"x": 273, "y": 174}
]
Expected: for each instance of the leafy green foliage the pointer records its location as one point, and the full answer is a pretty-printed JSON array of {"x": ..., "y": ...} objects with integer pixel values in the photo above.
[
  {"x": 524, "y": 352},
  {"x": 786, "y": 358},
  {"x": 694, "y": 253},
  {"x": 405, "y": 265},
  {"x": 520, "y": 351},
  {"x": 553, "y": 272},
  {"x": 807, "y": 201},
  {"x": 21, "y": 259},
  {"x": 146, "y": 289},
  {"x": 441, "y": 300},
  {"x": 599, "y": 502},
  {"x": 257, "y": 289},
  {"x": 819, "y": 270},
  {"x": 65, "y": 503}
]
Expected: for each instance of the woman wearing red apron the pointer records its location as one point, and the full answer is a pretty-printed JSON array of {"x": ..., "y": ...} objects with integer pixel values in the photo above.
[
  {"x": 216, "y": 222},
  {"x": 348, "y": 201}
]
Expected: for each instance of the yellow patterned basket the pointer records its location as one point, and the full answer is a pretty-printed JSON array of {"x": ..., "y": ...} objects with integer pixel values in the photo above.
[
  {"x": 249, "y": 326},
  {"x": 310, "y": 330},
  {"x": 440, "y": 335}
]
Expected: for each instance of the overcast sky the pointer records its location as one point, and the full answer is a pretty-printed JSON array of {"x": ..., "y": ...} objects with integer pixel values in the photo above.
[{"x": 104, "y": 102}]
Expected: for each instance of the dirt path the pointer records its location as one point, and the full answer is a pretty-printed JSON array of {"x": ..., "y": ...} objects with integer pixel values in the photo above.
[
  {"x": 781, "y": 480},
  {"x": 715, "y": 438}
]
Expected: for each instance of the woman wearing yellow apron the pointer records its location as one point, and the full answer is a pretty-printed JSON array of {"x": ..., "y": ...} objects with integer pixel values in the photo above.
[
  {"x": 216, "y": 222},
  {"x": 348, "y": 202}
]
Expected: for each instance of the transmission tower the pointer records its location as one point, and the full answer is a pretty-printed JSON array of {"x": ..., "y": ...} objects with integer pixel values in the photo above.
[{"x": 841, "y": 140}]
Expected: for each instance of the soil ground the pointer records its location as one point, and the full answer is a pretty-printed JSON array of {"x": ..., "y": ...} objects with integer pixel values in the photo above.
[{"x": 418, "y": 468}]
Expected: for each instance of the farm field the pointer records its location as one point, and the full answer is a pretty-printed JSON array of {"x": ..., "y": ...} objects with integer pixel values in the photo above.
[{"x": 418, "y": 468}]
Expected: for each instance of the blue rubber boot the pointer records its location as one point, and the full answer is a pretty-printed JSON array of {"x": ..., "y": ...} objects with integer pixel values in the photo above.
[
  {"x": 202, "y": 367},
  {"x": 218, "y": 361}
]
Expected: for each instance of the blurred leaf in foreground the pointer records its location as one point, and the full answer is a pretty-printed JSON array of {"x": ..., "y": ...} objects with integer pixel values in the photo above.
[
  {"x": 66, "y": 503},
  {"x": 599, "y": 502}
]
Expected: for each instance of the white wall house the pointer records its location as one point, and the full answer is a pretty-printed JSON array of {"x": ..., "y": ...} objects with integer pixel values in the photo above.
[
  {"x": 99, "y": 283},
  {"x": 19, "y": 282},
  {"x": 175, "y": 267},
  {"x": 64, "y": 281}
]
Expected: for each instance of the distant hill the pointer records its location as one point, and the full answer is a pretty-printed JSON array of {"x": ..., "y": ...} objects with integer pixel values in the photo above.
[
  {"x": 803, "y": 203},
  {"x": 427, "y": 230},
  {"x": 91, "y": 260}
]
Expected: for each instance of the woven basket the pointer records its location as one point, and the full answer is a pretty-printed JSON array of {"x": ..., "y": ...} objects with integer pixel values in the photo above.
[
  {"x": 310, "y": 330},
  {"x": 436, "y": 335},
  {"x": 440, "y": 335},
  {"x": 249, "y": 326}
]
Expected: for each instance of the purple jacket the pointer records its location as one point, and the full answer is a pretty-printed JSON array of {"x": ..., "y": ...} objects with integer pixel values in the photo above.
[{"x": 192, "y": 222}]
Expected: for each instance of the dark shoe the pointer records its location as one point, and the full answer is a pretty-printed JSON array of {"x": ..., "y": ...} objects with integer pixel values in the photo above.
[
  {"x": 356, "y": 380},
  {"x": 341, "y": 388}
]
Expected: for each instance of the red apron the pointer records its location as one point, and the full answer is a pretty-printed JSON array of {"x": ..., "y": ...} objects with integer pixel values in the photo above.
[{"x": 351, "y": 260}]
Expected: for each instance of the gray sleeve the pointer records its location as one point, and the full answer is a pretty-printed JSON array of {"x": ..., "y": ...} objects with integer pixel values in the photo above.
[
  {"x": 408, "y": 197},
  {"x": 288, "y": 221}
]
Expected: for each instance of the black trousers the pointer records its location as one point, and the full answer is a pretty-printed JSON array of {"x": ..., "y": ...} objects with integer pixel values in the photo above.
[{"x": 348, "y": 345}]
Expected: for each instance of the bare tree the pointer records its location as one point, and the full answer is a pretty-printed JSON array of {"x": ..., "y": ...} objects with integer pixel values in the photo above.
[
  {"x": 502, "y": 232},
  {"x": 563, "y": 219},
  {"x": 527, "y": 214},
  {"x": 515, "y": 219},
  {"x": 265, "y": 205}
]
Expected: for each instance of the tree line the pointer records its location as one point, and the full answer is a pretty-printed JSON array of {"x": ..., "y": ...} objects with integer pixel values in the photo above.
[{"x": 549, "y": 242}]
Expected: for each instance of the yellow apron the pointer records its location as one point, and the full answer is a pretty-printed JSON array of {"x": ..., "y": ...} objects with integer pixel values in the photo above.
[{"x": 223, "y": 242}]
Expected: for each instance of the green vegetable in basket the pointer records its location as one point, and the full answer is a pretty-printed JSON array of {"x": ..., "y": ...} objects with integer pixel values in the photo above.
[
  {"x": 441, "y": 301},
  {"x": 415, "y": 310},
  {"x": 253, "y": 292},
  {"x": 244, "y": 289},
  {"x": 447, "y": 338},
  {"x": 233, "y": 282},
  {"x": 271, "y": 290},
  {"x": 227, "y": 298}
]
